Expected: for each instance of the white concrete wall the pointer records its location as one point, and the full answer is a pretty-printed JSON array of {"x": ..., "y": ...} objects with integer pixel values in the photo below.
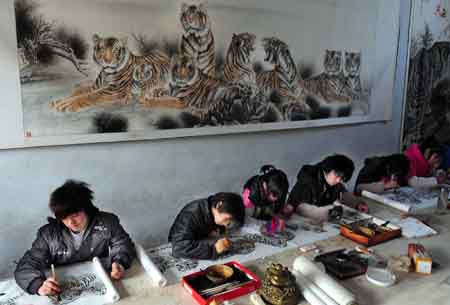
[{"x": 147, "y": 182}]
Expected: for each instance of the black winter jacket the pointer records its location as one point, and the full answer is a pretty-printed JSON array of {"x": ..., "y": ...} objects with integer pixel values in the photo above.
[
  {"x": 190, "y": 231},
  {"x": 104, "y": 237},
  {"x": 264, "y": 209},
  {"x": 312, "y": 188},
  {"x": 374, "y": 170}
]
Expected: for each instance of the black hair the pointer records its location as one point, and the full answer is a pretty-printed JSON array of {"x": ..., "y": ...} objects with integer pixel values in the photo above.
[
  {"x": 431, "y": 146},
  {"x": 397, "y": 165},
  {"x": 231, "y": 204},
  {"x": 342, "y": 165},
  {"x": 276, "y": 180},
  {"x": 72, "y": 197}
]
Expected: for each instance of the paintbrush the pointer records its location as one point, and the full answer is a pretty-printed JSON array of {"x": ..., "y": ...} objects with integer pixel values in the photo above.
[
  {"x": 58, "y": 297},
  {"x": 222, "y": 289},
  {"x": 53, "y": 272}
]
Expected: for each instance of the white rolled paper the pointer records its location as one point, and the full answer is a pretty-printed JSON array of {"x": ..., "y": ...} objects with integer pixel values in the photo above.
[
  {"x": 311, "y": 292},
  {"x": 111, "y": 293},
  {"x": 333, "y": 289},
  {"x": 157, "y": 278},
  {"x": 386, "y": 201}
]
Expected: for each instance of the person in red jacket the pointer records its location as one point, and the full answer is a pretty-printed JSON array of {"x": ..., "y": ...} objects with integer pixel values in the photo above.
[
  {"x": 424, "y": 161},
  {"x": 265, "y": 194}
]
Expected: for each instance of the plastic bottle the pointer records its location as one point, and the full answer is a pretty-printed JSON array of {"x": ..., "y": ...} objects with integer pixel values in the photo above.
[{"x": 442, "y": 200}]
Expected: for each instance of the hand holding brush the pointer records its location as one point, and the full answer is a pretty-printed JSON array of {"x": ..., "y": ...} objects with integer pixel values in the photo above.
[{"x": 50, "y": 286}]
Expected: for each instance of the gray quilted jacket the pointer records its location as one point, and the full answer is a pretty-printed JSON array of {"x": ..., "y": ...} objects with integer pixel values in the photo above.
[{"x": 104, "y": 237}]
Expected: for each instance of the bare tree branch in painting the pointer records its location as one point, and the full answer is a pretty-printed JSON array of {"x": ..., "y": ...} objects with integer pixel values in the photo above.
[{"x": 41, "y": 42}]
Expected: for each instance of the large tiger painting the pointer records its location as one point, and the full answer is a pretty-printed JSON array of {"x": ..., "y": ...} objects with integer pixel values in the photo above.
[{"x": 176, "y": 62}]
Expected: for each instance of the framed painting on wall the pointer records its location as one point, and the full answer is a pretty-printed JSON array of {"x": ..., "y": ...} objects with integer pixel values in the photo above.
[
  {"x": 427, "y": 101},
  {"x": 112, "y": 70}
]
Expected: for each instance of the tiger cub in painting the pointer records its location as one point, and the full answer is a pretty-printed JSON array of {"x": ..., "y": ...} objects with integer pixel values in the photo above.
[
  {"x": 190, "y": 85},
  {"x": 353, "y": 72},
  {"x": 197, "y": 40},
  {"x": 115, "y": 80},
  {"x": 148, "y": 93},
  {"x": 142, "y": 75},
  {"x": 238, "y": 63}
]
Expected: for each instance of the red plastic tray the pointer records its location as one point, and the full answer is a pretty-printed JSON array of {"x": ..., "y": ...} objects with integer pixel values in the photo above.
[{"x": 247, "y": 288}]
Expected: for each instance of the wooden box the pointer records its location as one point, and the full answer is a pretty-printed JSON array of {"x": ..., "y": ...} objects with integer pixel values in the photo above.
[{"x": 385, "y": 233}]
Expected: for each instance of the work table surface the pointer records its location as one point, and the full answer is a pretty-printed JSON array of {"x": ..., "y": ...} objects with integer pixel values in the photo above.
[{"x": 410, "y": 288}]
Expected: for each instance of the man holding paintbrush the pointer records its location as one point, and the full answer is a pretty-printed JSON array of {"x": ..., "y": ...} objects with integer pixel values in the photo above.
[{"x": 79, "y": 233}]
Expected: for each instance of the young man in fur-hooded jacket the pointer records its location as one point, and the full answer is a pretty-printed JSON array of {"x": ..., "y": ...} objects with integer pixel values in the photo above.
[{"x": 79, "y": 233}]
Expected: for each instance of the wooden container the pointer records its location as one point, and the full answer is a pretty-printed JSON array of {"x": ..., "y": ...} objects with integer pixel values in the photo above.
[{"x": 366, "y": 238}]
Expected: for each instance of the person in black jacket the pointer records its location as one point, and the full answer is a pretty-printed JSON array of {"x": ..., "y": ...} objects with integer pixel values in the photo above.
[
  {"x": 382, "y": 173},
  {"x": 79, "y": 233},
  {"x": 194, "y": 233},
  {"x": 266, "y": 193},
  {"x": 319, "y": 186}
]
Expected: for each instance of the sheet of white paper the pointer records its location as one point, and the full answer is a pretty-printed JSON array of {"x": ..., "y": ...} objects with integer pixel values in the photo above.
[
  {"x": 406, "y": 199},
  {"x": 412, "y": 227},
  {"x": 80, "y": 283},
  {"x": 174, "y": 268}
]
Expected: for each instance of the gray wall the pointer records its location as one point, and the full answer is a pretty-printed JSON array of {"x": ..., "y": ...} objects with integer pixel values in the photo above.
[{"x": 146, "y": 182}]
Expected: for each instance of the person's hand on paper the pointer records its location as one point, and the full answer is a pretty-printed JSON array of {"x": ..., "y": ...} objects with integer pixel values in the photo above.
[
  {"x": 391, "y": 184},
  {"x": 222, "y": 245},
  {"x": 363, "y": 207},
  {"x": 441, "y": 177},
  {"x": 49, "y": 287},
  {"x": 288, "y": 210},
  {"x": 117, "y": 271}
]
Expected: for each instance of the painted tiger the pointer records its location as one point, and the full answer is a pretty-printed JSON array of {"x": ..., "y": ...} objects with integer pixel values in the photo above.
[
  {"x": 238, "y": 62},
  {"x": 330, "y": 86},
  {"x": 283, "y": 77},
  {"x": 147, "y": 91},
  {"x": 283, "y": 80},
  {"x": 352, "y": 71},
  {"x": 328, "y": 92},
  {"x": 141, "y": 75},
  {"x": 190, "y": 85},
  {"x": 115, "y": 80},
  {"x": 215, "y": 102},
  {"x": 197, "y": 40}
]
